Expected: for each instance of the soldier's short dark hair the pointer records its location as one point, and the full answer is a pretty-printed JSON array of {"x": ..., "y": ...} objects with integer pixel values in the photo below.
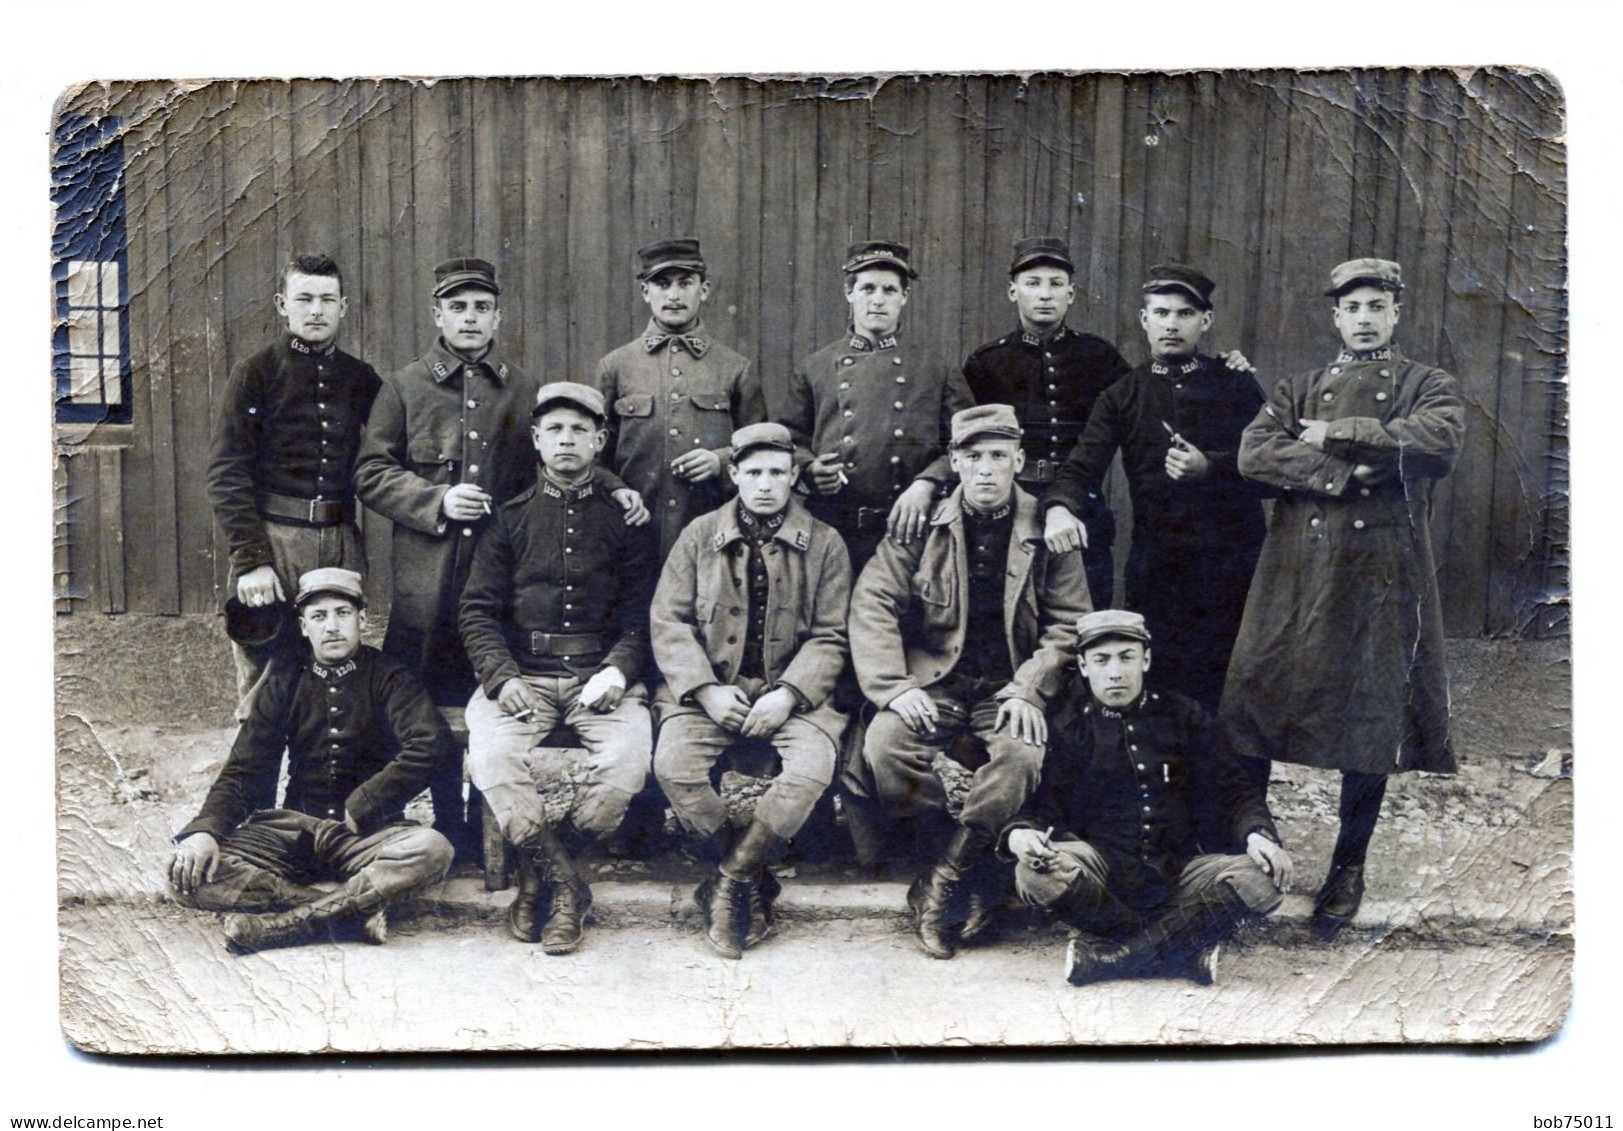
[{"x": 311, "y": 263}]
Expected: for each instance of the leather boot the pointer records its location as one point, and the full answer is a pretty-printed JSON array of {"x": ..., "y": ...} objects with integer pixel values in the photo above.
[
  {"x": 524, "y": 914},
  {"x": 934, "y": 896},
  {"x": 347, "y": 913},
  {"x": 1173, "y": 941},
  {"x": 1338, "y": 900},
  {"x": 747, "y": 862},
  {"x": 726, "y": 906},
  {"x": 568, "y": 896}
]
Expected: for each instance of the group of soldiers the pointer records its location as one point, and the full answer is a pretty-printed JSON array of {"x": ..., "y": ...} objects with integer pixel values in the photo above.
[{"x": 904, "y": 563}]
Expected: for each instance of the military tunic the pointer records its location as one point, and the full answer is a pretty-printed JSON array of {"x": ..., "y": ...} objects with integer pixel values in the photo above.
[
  {"x": 887, "y": 418},
  {"x": 1052, "y": 387},
  {"x": 1195, "y": 542},
  {"x": 437, "y": 423},
  {"x": 667, "y": 395}
]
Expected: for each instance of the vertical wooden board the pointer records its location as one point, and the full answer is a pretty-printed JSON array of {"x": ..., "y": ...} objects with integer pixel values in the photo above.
[
  {"x": 431, "y": 179},
  {"x": 480, "y": 102},
  {"x": 782, "y": 139},
  {"x": 1392, "y": 188},
  {"x": 455, "y": 101},
  {"x": 546, "y": 219},
  {"x": 368, "y": 327},
  {"x": 940, "y": 202},
  {"x": 740, "y": 315},
  {"x": 1099, "y": 283},
  {"x": 1141, "y": 236},
  {"x": 891, "y": 120},
  {"x": 405, "y": 290},
  {"x": 623, "y": 314},
  {"x": 1425, "y": 238},
  {"x": 588, "y": 295},
  {"x": 1074, "y": 221},
  {"x": 146, "y": 253},
  {"x": 1315, "y": 210},
  {"x": 819, "y": 289},
  {"x": 108, "y": 469},
  {"x": 192, "y": 207},
  {"x": 1227, "y": 177},
  {"x": 1169, "y": 117},
  {"x": 1005, "y": 147},
  {"x": 986, "y": 312},
  {"x": 1523, "y": 114},
  {"x": 804, "y": 275},
  {"x": 1476, "y": 315}
]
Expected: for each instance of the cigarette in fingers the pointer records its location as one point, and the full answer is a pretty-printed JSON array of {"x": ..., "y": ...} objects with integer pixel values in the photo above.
[
  {"x": 487, "y": 506},
  {"x": 844, "y": 482},
  {"x": 525, "y": 715}
]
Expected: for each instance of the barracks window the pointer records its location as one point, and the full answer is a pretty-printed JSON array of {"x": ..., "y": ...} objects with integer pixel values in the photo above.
[{"x": 90, "y": 355}]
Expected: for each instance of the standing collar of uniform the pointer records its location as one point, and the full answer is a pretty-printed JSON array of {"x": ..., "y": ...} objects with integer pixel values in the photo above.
[
  {"x": 795, "y": 531},
  {"x": 862, "y": 345},
  {"x": 1351, "y": 357},
  {"x": 336, "y": 671},
  {"x": 444, "y": 364},
  {"x": 1028, "y": 338},
  {"x": 1182, "y": 369},
  {"x": 1132, "y": 708},
  {"x": 299, "y": 345},
  {"x": 693, "y": 339},
  {"x": 544, "y": 484}
]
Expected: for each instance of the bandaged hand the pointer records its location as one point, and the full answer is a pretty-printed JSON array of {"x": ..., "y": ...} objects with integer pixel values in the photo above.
[{"x": 603, "y": 691}]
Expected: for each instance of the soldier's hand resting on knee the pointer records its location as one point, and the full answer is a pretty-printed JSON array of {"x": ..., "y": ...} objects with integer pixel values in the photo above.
[
  {"x": 917, "y": 710},
  {"x": 518, "y": 699},
  {"x": 1271, "y": 858},
  {"x": 1024, "y": 720},
  {"x": 769, "y": 713},
  {"x": 194, "y": 862}
]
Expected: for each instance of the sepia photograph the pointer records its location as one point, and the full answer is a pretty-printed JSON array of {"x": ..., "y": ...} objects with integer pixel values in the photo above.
[{"x": 794, "y": 562}]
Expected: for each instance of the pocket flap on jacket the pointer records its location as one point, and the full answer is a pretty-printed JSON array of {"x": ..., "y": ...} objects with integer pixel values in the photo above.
[
  {"x": 715, "y": 402},
  {"x": 637, "y": 404}
]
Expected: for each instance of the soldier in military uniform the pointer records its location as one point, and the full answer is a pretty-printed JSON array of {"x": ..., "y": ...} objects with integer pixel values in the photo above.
[
  {"x": 555, "y": 619},
  {"x": 1145, "y": 832},
  {"x": 279, "y": 477},
  {"x": 1052, "y": 375},
  {"x": 867, "y": 418},
  {"x": 360, "y": 737},
  {"x": 675, "y": 395},
  {"x": 1339, "y": 661},
  {"x": 445, "y": 446},
  {"x": 968, "y": 631},
  {"x": 1197, "y": 525},
  {"x": 749, "y": 631}
]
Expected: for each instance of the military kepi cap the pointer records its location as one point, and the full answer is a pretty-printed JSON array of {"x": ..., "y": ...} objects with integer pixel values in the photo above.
[
  {"x": 1381, "y": 273},
  {"x": 1041, "y": 249},
  {"x": 1110, "y": 622},
  {"x": 330, "y": 579},
  {"x": 1179, "y": 277},
  {"x": 464, "y": 272},
  {"x": 667, "y": 255},
  {"x": 571, "y": 393},
  {"x": 985, "y": 420},
  {"x": 752, "y": 436},
  {"x": 879, "y": 253}
]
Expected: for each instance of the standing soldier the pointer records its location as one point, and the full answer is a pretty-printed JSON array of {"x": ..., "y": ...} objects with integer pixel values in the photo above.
[
  {"x": 868, "y": 420},
  {"x": 446, "y": 444},
  {"x": 1339, "y": 662},
  {"x": 749, "y": 632},
  {"x": 279, "y": 479},
  {"x": 1052, "y": 375},
  {"x": 555, "y": 617},
  {"x": 675, "y": 395},
  {"x": 968, "y": 631},
  {"x": 1197, "y": 525}
]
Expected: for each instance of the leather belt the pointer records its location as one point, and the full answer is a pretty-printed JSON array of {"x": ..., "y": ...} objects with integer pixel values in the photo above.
[
  {"x": 567, "y": 644},
  {"x": 1039, "y": 471},
  {"x": 306, "y": 512},
  {"x": 867, "y": 517}
]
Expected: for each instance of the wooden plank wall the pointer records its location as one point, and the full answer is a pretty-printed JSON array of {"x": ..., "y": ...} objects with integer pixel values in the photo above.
[{"x": 1263, "y": 178}]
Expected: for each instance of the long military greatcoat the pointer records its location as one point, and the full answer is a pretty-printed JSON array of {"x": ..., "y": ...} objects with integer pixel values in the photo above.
[{"x": 1339, "y": 662}]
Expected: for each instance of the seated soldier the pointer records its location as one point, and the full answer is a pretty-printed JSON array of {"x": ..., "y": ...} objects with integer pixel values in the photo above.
[
  {"x": 749, "y": 631},
  {"x": 968, "y": 630},
  {"x": 1144, "y": 829},
  {"x": 555, "y": 620},
  {"x": 361, "y": 737}
]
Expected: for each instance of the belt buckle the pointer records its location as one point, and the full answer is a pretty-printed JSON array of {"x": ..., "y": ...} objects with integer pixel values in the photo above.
[
  {"x": 311, "y": 506},
  {"x": 537, "y": 641}
]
